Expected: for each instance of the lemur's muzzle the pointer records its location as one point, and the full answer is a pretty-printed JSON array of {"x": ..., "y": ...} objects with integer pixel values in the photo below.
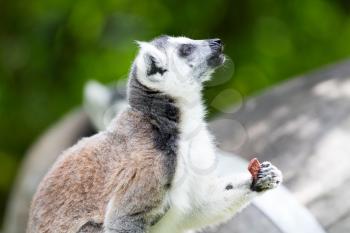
[{"x": 216, "y": 57}]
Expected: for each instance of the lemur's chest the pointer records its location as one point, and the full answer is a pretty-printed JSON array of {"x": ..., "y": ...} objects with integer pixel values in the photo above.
[
  {"x": 195, "y": 146},
  {"x": 196, "y": 162},
  {"x": 195, "y": 157},
  {"x": 196, "y": 152}
]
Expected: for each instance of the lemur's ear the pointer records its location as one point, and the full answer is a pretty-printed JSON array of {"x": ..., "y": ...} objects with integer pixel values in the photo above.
[{"x": 151, "y": 61}]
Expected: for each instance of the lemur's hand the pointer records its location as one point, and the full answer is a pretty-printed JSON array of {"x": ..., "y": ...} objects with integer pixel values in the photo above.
[{"x": 268, "y": 177}]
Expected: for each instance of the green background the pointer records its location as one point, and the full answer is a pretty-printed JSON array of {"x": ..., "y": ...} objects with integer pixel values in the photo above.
[{"x": 50, "y": 48}]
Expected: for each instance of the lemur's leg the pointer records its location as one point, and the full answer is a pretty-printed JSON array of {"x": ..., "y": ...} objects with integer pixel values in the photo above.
[
  {"x": 125, "y": 224},
  {"x": 137, "y": 198},
  {"x": 129, "y": 213},
  {"x": 125, "y": 216},
  {"x": 227, "y": 195}
]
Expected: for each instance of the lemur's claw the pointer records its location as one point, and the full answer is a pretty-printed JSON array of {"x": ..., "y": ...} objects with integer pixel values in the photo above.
[{"x": 269, "y": 177}]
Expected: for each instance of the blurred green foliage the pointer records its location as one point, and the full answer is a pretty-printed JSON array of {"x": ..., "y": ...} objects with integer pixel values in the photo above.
[{"x": 49, "y": 48}]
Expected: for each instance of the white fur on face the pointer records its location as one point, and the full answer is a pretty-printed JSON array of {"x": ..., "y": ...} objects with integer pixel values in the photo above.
[{"x": 182, "y": 75}]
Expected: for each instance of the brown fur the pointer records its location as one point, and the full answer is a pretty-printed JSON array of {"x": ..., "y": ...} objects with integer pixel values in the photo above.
[{"x": 119, "y": 164}]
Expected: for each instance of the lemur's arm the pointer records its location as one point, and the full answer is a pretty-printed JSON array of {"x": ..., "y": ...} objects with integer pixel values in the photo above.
[{"x": 227, "y": 195}]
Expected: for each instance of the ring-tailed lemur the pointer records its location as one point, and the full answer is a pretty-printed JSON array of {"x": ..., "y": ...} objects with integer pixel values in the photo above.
[{"x": 151, "y": 170}]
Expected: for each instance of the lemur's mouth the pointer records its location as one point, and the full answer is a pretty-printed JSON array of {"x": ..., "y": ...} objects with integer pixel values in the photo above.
[
  {"x": 216, "y": 60},
  {"x": 217, "y": 57}
]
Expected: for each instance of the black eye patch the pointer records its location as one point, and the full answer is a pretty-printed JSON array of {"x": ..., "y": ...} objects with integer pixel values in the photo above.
[{"x": 186, "y": 50}]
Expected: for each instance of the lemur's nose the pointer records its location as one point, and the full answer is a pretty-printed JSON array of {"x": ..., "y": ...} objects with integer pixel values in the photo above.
[
  {"x": 216, "y": 44},
  {"x": 216, "y": 41}
]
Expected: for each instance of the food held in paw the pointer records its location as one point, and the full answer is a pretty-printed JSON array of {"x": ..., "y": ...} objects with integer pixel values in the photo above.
[{"x": 254, "y": 167}]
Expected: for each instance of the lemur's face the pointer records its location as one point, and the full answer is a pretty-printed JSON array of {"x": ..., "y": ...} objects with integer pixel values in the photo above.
[{"x": 177, "y": 64}]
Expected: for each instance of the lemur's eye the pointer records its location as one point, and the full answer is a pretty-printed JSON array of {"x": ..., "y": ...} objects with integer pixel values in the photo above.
[{"x": 186, "y": 49}]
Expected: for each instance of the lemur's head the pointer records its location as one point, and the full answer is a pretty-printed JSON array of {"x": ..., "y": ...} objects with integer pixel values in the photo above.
[{"x": 174, "y": 65}]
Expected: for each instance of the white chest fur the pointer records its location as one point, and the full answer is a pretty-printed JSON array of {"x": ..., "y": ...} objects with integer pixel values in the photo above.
[{"x": 196, "y": 163}]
